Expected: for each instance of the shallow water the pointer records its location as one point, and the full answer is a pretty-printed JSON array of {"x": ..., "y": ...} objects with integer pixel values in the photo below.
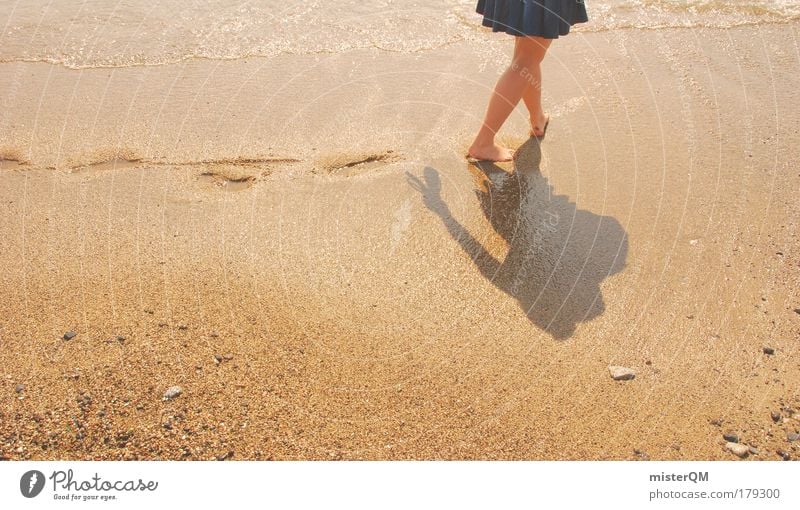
[{"x": 98, "y": 33}]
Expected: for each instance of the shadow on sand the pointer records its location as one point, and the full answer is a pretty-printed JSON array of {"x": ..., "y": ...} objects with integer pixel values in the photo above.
[{"x": 557, "y": 254}]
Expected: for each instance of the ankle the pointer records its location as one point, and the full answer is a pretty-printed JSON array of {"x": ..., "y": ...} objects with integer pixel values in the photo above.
[{"x": 483, "y": 140}]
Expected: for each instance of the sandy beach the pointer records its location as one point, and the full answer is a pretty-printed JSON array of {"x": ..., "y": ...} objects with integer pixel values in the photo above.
[{"x": 297, "y": 241}]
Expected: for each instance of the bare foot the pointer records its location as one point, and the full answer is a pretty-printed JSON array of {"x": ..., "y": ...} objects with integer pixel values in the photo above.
[
  {"x": 492, "y": 152},
  {"x": 539, "y": 126}
]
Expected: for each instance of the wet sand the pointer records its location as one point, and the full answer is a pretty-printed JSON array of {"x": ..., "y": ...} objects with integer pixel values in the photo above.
[{"x": 298, "y": 243}]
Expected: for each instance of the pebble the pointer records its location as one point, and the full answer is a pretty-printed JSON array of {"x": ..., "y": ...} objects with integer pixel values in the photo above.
[
  {"x": 740, "y": 450},
  {"x": 730, "y": 437},
  {"x": 792, "y": 437},
  {"x": 768, "y": 350},
  {"x": 621, "y": 373},
  {"x": 776, "y": 416},
  {"x": 19, "y": 388},
  {"x": 225, "y": 357},
  {"x": 226, "y": 455},
  {"x": 172, "y": 392},
  {"x": 784, "y": 455},
  {"x": 69, "y": 335}
]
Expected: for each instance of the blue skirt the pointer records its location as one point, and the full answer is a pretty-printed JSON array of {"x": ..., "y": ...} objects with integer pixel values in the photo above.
[{"x": 543, "y": 18}]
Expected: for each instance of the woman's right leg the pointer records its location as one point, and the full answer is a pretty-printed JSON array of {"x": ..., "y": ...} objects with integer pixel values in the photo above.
[
  {"x": 532, "y": 97},
  {"x": 528, "y": 54}
]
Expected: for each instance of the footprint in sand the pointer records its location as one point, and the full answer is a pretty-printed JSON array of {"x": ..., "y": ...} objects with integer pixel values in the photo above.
[
  {"x": 227, "y": 182},
  {"x": 350, "y": 165},
  {"x": 105, "y": 166},
  {"x": 10, "y": 164}
]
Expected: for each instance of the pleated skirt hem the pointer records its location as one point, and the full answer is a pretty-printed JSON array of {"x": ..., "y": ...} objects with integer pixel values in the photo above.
[{"x": 543, "y": 18}]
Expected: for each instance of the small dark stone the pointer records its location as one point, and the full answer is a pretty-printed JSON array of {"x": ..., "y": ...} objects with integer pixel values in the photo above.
[
  {"x": 217, "y": 359},
  {"x": 776, "y": 416},
  {"x": 784, "y": 455},
  {"x": 121, "y": 339},
  {"x": 226, "y": 455},
  {"x": 716, "y": 422},
  {"x": 167, "y": 425},
  {"x": 19, "y": 388},
  {"x": 797, "y": 310},
  {"x": 183, "y": 327},
  {"x": 123, "y": 438},
  {"x": 768, "y": 350},
  {"x": 69, "y": 335},
  {"x": 792, "y": 437},
  {"x": 730, "y": 437}
]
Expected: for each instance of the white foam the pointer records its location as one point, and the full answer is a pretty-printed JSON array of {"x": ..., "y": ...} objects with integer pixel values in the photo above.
[{"x": 97, "y": 33}]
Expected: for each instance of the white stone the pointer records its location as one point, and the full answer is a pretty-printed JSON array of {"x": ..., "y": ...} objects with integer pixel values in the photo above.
[
  {"x": 621, "y": 373},
  {"x": 738, "y": 449},
  {"x": 172, "y": 392}
]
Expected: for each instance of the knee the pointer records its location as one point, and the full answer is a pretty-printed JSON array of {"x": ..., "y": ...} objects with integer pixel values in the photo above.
[{"x": 525, "y": 65}]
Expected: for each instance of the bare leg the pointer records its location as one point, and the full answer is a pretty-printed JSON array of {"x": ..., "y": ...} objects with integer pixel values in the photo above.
[
  {"x": 532, "y": 96},
  {"x": 528, "y": 54}
]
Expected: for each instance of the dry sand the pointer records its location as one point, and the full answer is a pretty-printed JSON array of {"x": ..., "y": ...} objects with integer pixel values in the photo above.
[{"x": 298, "y": 243}]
